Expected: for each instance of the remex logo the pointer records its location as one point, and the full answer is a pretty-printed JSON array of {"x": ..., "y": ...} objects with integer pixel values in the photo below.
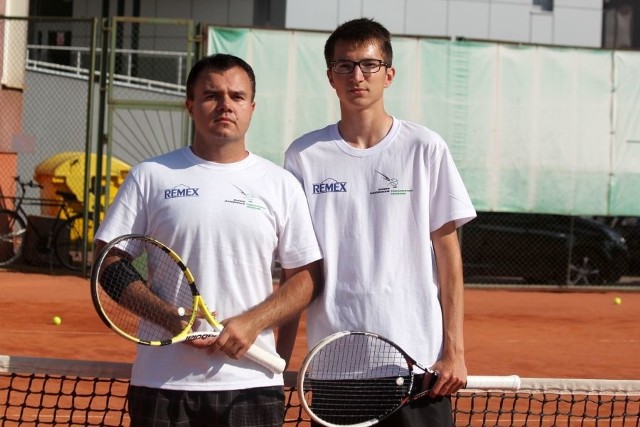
[
  {"x": 181, "y": 191},
  {"x": 330, "y": 185}
]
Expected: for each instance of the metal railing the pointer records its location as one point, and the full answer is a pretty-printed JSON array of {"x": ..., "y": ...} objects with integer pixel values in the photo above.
[{"x": 77, "y": 66}]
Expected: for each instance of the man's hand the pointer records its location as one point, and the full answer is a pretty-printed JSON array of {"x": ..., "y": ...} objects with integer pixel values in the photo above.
[
  {"x": 239, "y": 333},
  {"x": 452, "y": 376}
]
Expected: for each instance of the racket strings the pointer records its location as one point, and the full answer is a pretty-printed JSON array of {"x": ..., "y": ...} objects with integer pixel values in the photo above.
[
  {"x": 143, "y": 291},
  {"x": 355, "y": 379}
]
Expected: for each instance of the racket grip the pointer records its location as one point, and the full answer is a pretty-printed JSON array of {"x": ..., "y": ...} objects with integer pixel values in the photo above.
[
  {"x": 267, "y": 359},
  {"x": 508, "y": 382}
]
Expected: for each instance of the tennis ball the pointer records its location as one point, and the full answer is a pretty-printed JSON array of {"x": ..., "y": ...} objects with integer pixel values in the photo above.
[
  {"x": 617, "y": 300},
  {"x": 57, "y": 320}
]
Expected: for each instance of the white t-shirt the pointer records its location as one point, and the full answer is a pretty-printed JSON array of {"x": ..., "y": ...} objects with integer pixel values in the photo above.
[
  {"x": 373, "y": 211},
  {"x": 227, "y": 222}
]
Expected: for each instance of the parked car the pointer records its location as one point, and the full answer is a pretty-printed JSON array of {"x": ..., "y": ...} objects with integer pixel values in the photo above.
[
  {"x": 543, "y": 248},
  {"x": 629, "y": 228}
]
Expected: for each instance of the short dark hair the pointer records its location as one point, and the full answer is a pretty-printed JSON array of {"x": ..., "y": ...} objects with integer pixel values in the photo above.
[
  {"x": 360, "y": 31},
  {"x": 219, "y": 62}
]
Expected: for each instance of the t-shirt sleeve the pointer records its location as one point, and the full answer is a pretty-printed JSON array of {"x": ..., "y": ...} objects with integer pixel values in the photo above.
[
  {"x": 297, "y": 243},
  {"x": 291, "y": 162},
  {"x": 450, "y": 200},
  {"x": 126, "y": 214}
]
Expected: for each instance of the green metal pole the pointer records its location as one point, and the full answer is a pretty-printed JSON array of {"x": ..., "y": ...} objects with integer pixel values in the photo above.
[
  {"x": 87, "y": 154},
  {"x": 104, "y": 56}
]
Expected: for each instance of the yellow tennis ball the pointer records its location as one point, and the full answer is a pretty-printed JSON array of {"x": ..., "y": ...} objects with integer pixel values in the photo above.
[
  {"x": 57, "y": 320},
  {"x": 617, "y": 300}
]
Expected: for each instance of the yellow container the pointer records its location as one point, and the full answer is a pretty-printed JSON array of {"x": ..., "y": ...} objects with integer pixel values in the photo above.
[{"x": 65, "y": 172}]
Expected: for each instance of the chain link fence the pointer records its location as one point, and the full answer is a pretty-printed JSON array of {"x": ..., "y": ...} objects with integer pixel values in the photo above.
[
  {"x": 71, "y": 129},
  {"x": 150, "y": 61},
  {"x": 550, "y": 249},
  {"x": 43, "y": 142},
  {"x": 61, "y": 107}
]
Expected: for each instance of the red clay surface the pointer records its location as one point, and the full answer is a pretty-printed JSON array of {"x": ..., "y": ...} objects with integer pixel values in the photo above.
[{"x": 531, "y": 333}]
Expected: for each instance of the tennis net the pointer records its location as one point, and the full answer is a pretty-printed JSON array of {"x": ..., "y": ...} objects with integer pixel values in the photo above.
[{"x": 48, "y": 392}]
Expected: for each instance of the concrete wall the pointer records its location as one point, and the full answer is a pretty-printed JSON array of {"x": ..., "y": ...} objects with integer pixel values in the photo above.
[{"x": 571, "y": 22}]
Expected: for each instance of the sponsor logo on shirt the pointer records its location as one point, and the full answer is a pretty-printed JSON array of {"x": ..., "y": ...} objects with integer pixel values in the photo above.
[
  {"x": 330, "y": 185},
  {"x": 247, "y": 200},
  {"x": 181, "y": 191},
  {"x": 390, "y": 186}
]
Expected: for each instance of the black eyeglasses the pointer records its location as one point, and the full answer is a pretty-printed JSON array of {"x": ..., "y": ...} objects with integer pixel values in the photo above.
[{"x": 344, "y": 66}]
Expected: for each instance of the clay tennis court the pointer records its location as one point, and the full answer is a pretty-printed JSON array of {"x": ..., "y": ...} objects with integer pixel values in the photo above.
[
  {"x": 532, "y": 333},
  {"x": 529, "y": 332}
]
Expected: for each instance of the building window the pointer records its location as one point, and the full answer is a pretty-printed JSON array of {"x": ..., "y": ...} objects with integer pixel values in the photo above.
[
  {"x": 620, "y": 29},
  {"x": 545, "y": 5}
]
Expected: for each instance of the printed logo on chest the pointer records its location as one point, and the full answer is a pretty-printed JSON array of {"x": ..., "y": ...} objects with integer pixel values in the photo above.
[
  {"x": 389, "y": 186},
  {"x": 330, "y": 185},
  {"x": 181, "y": 190},
  {"x": 248, "y": 200}
]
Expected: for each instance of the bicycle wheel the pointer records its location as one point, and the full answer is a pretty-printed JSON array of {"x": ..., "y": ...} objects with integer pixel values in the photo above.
[
  {"x": 69, "y": 242},
  {"x": 13, "y": 231}
]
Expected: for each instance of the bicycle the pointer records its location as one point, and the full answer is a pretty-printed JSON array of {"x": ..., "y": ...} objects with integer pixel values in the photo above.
[{"x": 65, "y": 238}]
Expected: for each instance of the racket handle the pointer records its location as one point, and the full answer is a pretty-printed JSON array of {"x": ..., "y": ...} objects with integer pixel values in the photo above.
[
  {"x": 267, "y": 359},
  {"x": 509, "y": 382}
]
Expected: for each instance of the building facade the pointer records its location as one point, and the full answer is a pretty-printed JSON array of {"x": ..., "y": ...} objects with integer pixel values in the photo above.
[{"x": 582, "y": 23}]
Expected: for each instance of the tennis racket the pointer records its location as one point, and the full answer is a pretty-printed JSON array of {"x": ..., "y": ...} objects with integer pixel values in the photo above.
[
  {"x": 143, "y": 291},
  {"x": 360, "y": 378}
]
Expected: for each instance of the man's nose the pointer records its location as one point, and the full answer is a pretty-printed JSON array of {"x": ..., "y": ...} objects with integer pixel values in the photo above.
[
  {"x": 224, "y": 103},
  {"x": 356, "y": 73}
]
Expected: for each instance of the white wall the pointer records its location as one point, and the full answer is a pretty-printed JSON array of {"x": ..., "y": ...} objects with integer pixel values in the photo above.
[{"x": 572, "y": 22}]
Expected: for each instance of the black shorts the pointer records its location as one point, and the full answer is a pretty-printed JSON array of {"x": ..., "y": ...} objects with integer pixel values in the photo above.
[
  {"x": 419, "y": 413},
  {"x": 254, "y": 407},
  {"x": 423, "y": 412}
]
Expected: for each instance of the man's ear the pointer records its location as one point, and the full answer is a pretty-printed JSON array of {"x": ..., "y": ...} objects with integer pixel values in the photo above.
[
  {"x": 390, "y": 74},
  {"x": 330, "y": 77}
]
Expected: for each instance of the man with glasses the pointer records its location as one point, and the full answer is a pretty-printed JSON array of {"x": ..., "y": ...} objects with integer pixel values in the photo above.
[{"x": 386, "y": 199}]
